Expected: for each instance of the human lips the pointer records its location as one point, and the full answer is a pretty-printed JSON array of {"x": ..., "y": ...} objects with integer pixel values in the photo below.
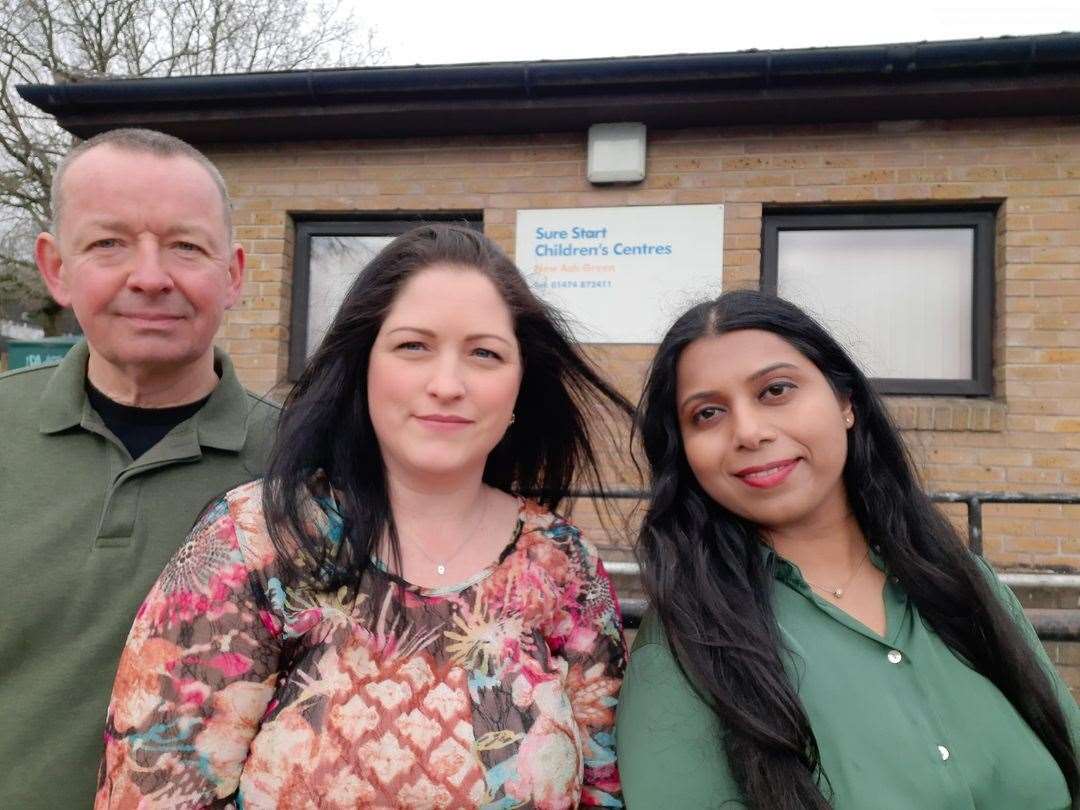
[
  {"x": 765, "y": 476},
  {"x": 443, "y": 421},
  {"x": 152, "y": 317}
]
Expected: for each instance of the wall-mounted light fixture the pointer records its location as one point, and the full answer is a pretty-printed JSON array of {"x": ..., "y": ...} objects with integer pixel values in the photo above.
[{"x": 616, "y": 153}]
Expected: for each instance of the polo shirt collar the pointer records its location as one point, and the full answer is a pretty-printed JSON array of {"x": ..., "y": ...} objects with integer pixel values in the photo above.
[
  {"x": 64, "y": 398},
  {"x": 221, "y": 423}
]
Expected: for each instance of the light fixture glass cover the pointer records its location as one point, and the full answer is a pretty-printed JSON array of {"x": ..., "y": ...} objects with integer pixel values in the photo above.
[{"x": 616, "y": 153}]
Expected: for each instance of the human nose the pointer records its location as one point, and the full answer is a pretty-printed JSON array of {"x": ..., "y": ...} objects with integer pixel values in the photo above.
[
  {"x": 446, "y": 381},
  {"x": 148, "y": 273},
  {"x": 752, "y": 427}
]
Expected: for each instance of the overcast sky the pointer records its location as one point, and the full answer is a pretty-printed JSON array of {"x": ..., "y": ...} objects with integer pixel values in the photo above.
[{"x": 484, "y": 31}]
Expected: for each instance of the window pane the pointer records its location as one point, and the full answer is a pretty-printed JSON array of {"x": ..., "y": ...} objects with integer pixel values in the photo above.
[
  {"x": 900, "y": 300},
  {"x": 335, "y": 262}
]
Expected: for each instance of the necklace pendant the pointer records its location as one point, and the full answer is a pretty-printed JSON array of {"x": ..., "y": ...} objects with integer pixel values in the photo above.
[
  {"x": 838, "y": 592},
  {"x": 440, "y": 569}
]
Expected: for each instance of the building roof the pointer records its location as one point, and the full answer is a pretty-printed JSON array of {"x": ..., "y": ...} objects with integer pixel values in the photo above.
[{"x": 1007, "y": 76}]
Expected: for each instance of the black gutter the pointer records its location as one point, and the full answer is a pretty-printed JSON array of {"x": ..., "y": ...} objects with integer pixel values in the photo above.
[{"x": 1036, "y": 75}]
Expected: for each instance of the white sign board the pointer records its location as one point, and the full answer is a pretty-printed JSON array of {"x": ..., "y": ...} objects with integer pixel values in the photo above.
[{"x": 622, "y": 275}]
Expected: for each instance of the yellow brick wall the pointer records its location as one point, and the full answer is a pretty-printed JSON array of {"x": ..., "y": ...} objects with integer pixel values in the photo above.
[{"x": 1026, "y": 438}]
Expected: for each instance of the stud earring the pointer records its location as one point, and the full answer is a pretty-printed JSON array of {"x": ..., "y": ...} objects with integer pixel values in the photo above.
[{"x": 513, "y": 417}]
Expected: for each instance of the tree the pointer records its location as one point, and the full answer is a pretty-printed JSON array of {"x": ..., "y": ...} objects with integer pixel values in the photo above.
[{"x": 44, "y": 41}]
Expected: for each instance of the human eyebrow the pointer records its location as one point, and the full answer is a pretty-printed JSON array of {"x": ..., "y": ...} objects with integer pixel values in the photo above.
[
  {"x": 189, "y": 233},
  {"x": 112, "y": 225},
  {"x": 416, "y": 329},
  {"x": 183, "y": 231},
  {"x": 698, "y": 396},
  {"x": 488, "y": 336},
  {"x": 757, "y": 375},
  {"x": 430, "y": 334}
]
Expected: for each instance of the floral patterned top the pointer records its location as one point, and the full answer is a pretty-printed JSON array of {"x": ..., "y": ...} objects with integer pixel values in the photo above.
[{"x": 237, "y": 692}]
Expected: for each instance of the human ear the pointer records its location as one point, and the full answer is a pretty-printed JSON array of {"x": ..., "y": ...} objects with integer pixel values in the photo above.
[
  {"x": 237, "y": 266},
  {"x": 847, "y": 412},
  {"x": 51, "y": 266}
]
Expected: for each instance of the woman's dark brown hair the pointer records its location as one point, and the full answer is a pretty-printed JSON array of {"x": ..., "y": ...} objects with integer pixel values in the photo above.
[
  {"x": 565, "y": 412},
  {"x": 712, "y": 589}
]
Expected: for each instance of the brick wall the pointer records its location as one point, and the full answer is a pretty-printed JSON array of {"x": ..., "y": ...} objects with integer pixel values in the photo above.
[{"x": 1026, "y": 438}]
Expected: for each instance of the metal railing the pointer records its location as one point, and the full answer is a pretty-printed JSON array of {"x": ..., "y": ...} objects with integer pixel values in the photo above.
[
  {"x": 1052, "y": 624},
  {"x": 975, "y": 500}
]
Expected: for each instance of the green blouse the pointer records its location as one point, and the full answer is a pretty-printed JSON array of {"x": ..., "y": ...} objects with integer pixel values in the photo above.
[{"x": 901, "y": 722}]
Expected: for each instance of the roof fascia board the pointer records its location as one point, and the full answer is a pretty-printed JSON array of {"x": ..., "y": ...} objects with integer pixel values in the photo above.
[{"x": 1008, "y": 76}]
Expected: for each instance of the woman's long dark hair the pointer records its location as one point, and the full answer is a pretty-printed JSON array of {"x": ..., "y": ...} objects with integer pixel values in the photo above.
[
  {"x": 565, "y": 410},
  {"x": 711, "y": 587}
]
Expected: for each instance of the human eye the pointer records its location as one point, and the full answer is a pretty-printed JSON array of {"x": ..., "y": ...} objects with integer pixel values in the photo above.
[
  {"x": 183, "y": 246},
  {"x": 777, "y": 390},
  {"x": 486, "y": 354},
  {"x": 105, "y": 243},
  {"x": 709, "y": 413},
  {"x": 411, "y": 346}
]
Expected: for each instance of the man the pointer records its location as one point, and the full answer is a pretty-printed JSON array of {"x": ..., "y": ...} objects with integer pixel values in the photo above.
[{"x": 107, "y": 458}]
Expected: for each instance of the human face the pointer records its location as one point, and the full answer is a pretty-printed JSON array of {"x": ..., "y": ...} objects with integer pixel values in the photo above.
[
  {"x": 144, "y": 259},
  {"x": 443, "y": 376},
  {"x": 764, "y": 432}
]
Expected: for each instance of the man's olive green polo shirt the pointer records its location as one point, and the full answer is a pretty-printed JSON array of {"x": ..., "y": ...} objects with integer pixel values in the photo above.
[
  {"x": 84, "y": 533},
  {"x": 901, "y": 722}
]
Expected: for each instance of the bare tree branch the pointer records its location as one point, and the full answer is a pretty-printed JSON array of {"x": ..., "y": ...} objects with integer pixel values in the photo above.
[{"x": 57, "y": 41}]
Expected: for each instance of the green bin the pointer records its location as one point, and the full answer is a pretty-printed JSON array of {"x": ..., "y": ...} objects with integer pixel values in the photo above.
[{"x": 22, "y": 353}]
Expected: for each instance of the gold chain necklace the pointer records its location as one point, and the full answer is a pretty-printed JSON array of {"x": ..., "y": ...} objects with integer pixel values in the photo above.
[
  {"x": 838, "y": 593},
  {"x": 440, "y": 566}
]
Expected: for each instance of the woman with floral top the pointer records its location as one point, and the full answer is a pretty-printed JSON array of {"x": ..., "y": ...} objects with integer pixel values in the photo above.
[{"x": 381, "y": 621}]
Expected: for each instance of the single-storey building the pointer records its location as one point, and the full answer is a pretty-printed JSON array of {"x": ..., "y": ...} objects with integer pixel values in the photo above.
[{"x": 923, "y": 198}]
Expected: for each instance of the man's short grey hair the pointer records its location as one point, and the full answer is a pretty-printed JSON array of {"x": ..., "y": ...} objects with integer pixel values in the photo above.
[{"x": 145, "y": 141}]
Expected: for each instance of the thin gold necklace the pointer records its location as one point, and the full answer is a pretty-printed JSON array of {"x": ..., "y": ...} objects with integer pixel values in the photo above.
[
  {"x": 838, "y": 593},
  {"x": 440, "y": 566}
]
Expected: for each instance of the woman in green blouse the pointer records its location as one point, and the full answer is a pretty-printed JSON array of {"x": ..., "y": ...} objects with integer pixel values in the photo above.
[{"x": 821, "y": 637}]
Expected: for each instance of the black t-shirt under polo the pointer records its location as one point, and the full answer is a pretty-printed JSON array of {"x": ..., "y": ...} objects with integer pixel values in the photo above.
[{"x": 139, "y": 429}]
